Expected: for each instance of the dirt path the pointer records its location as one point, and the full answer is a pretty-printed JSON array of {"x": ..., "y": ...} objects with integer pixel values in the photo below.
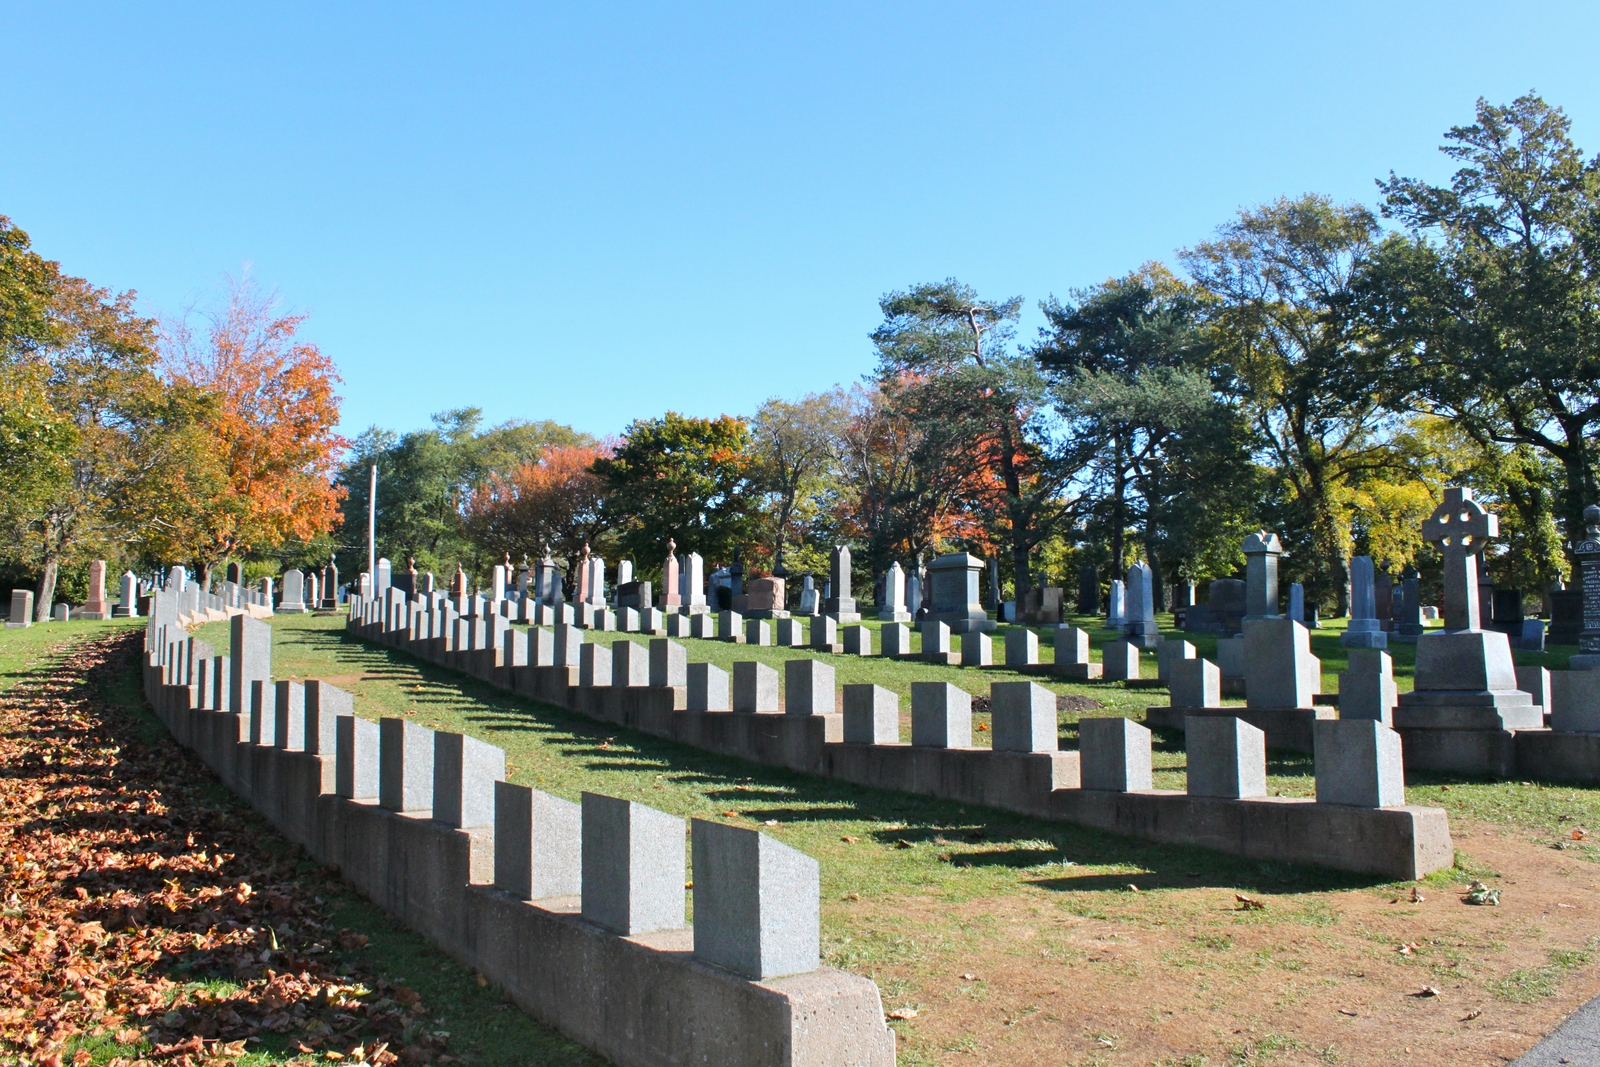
[{"x": 1313, "y": 978}]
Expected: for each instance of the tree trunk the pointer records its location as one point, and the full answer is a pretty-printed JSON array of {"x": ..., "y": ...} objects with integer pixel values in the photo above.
[
  {"x": 46, "y": 592},
  {"x": 1118, "y": 512},
  {"x": 1158, "y": 586}
]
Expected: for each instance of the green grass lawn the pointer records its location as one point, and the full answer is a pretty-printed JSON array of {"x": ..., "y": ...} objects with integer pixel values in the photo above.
[{"x": 877, "y": 848}]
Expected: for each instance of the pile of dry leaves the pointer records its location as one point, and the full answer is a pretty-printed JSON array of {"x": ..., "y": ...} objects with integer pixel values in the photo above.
[{"x": 140, "y": 909}]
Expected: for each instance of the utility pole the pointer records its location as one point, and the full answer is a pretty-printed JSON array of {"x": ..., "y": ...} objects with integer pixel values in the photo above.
[{"x": 372, "y": 534}]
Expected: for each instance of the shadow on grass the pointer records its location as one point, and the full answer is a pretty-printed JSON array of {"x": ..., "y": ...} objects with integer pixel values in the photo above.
[{"x": 810, "y": 800}]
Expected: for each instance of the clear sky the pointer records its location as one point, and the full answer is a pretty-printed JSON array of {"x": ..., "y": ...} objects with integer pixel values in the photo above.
[{"x": 596, "y": 212}]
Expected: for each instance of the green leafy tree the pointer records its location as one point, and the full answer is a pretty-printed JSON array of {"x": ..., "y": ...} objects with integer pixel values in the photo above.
[
  {"x": 694, "y": 481},
  {"x": 1490, "y": 305},
  {"x": 797, "y": 446},
  {"x": 1302, "y": 365},
  {"x": 1129, "y": 363},
  {"x": 944, "y": 351}
]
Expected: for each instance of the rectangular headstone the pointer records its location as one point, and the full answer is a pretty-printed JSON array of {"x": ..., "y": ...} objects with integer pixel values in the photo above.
[
  {"x": 871, "y": 715},
  {"x": 1227, "y": 757},
  {"x": 808, "y": 686},
  {"x": 1023, "y": 717},
  {"x": 464, "y": 773},
  {"x": 594, "y": 666},
  {"x": 669, "y": 663},
  {"x": 1358, "y": 764},
  {"x": 568, "y": 645},
  {"x": 541, "y": 648},
  {"x": 1169, "y": 652},
  {"x": 630, "y": 664},
  {"x": 896, "y": 639},
  {"x": 405, "y": 766},
  {"x": 824, "y": 633},
  {"x": 324, "y": 704},
  {"x": 757, "y": 632},
  {"x": 1279, "y": 669},
  {"x": 941, "y": 715},
  {"x": 857, "y": 640},
  {"x": 708, "y": 688},
  {"x": 290, "y": 707},
  {"x": 730, "y": 626},
  {"x": 977, "y": 649},
  {"x": 355, "y": 762},
  {"x": 1195, "y": 683},
  {"x": 791, "y": 633},
  {"x": 1022, "y": 648},
  {"x": 538, "y": 843},
  {"x": 1071, "y": 646},
  {"x": 251, "y": 651},
  {"x": 757, "y": 903},
  {"x": 702, "y": 626},
  {"x": 263, "y": 699},
  {"x": 1121, "y": 659},
  {"x": 755, "y": 687},
  {"x": 1367, "y": 689},
  {"x": 633, "y": 870},
  {"x": 1575, "y": 701},
  {"x": 1114, "y": 754}
]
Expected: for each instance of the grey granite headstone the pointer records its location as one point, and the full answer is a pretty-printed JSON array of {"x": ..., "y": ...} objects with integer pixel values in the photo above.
[
  {"x": 568, "y": 643},
  {"x": 538, "y": 843},
  {"x": 633, "y": 866},
  {"x": 1116, "y": 605},
  {"x": 935, "y": 640},
  {"x": 708, "y": 688},
  {"x": 1023, "y": 717},
  {"x": 251, "y": 651},
  {"x": 1297, "y": 602},
  {"x": 757, "y": 632},
  {"x": 1088, "y": 590},
  {"x": 1279, "y": 669},
  {"x": 941, "y": 715},
  {"x": 955, "y": 593},
  {"x": 324, "y": 704},
  {"x": 755, "y": 687},
  {"x": 757, "y": 903},
  {"x": 977, "y": 649},
  {"x": 791, "y": 633},
  {"x": 1358, "y": 764},
  {"x": 840, "y": 606},
  {"x": 808, "y": 687},
  {"x": 730, "y": 626},
  {"x": 464, "y": 772},
  {"x": 669, "y": 663},
  {"x": 1140, "y": 625},
  {"x": 1227, "y": 757},
  {"x": 541, "y": 648},
  {"x": 1575, "y": 701},
  {"x": 595, "y": 666},
  {"x": 1364, "y": 630},
  {"x": 1261, "y": 552},
  {"x": 293, "y": 601},
  {"x": 263, "y": 698},
  {"x": 896, "y": 639},
  {"x": 1071, "y": 646},
  {"x": 702, "y": 626},
  {"x": 405, "y": 766},
  {"x": 893, "y": 606},
  {"x": 1114, "y": 754},
  {"x": 1022, "y": 647},
  {"x": 630, "y": 664},
  {"x": 1121, "y": 660},
  {"x": 1168, "y": 653},
  {"x": 824, "y": 633},
  {"x": 1195, "y": 683},
  {"x": 1367, "y": 689},
  {"x": 857, "y": 640},
  {"x": 290, "y": 707},
  {"x": 355, "y": 760},
  {"x": 871, "y": 715}
]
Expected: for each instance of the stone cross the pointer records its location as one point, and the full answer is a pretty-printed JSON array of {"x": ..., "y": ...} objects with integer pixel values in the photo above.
[{"x": 1460, "y": 527}]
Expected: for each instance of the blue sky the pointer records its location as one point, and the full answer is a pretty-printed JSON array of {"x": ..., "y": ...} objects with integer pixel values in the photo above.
[{"x": 597, "y": 212}]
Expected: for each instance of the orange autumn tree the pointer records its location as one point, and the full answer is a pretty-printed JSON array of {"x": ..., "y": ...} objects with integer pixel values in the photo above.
[
  {"x": 553, "y": 503},
  {"x": 272, "y": 422}
]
